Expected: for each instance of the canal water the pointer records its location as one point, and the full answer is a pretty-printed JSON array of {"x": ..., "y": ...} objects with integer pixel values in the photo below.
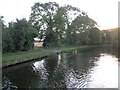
[{"x": 86, "y": 68}]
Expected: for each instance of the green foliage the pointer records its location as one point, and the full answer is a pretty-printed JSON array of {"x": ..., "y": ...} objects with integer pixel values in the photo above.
[
  {"x": 42, "y": 18},
  {"x": 83, "y": 38},
  {"x": 51, "y": 20},
  {"x": 111, "y": 37},
  {"x": 83, "y": 31},
  {"x": 106, "y": 38},
  {"x": 6, "y": 40},
  {"x": 95, "y": 36},
  {"x": 50, "y": 40},
  {"x": 57, "y": 26},
  {"x": 115, "y": 37},
  {"x": 18, "y": 36},
  {"x": 66, "y": 25}
]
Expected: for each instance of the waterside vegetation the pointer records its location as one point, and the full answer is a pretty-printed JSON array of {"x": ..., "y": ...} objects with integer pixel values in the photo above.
[{"x": 57, "y": 27}]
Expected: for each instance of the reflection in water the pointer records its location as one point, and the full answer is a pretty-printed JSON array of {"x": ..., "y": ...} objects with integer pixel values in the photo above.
[
  {"x": 59, "y": 59},
  {"x": 105, "y": 74},
  {"x": 39, "y": 69},
  {"x": 88, "y": 68},
  {"x": 7, "y": 85}
]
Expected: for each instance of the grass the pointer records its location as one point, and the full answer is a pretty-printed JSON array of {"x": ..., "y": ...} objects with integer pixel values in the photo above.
[
  {"x": 69, "y": 49},
  {"x": 23, "y": 56},
  {"x": 7, "y": 57}
]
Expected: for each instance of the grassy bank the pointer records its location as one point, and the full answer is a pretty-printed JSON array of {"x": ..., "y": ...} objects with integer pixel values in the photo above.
[
  {"x": 40, "y": 52},
  {"x": 14, "y": 57},
  {"x": 7, "y": 57}
]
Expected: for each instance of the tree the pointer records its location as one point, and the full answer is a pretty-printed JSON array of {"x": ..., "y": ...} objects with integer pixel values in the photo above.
[
  {"x": 106, "y": 38},
  {"x": 42, "y": 16},
  {"x": 82, "y": 29},
  {"x": 18, "y": 36},
  {"x": 49, "y": 18},
  {"x": 70, "y": 13},
  {"x": 65, "y": 24},
  {"x": 1, "y": 27},
  {"x": 59, "y": 25},
  {"x": 115, "y": 37},
  {"x": 95, "y": 36},
  {"x": 6, "y": 40}
]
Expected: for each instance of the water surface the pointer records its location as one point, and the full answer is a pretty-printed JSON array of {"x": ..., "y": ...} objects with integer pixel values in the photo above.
[{"x": 86, "y": 68}]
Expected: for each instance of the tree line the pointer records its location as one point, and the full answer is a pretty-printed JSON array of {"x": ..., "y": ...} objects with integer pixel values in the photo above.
[
  {"x": 53, "y": 24},
  {"x": 112, "y": 37},
  {"x": 59, "y": 25}
]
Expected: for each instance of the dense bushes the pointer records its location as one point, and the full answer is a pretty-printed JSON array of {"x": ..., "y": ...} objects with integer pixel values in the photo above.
[{"x": 18, "y": 36}]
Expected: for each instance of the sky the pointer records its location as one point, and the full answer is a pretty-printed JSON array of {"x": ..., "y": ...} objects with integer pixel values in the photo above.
[{"x": 104, "y": 12}]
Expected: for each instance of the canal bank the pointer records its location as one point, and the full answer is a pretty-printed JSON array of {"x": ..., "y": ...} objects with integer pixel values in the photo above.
[{"x": 10, "y": 59}]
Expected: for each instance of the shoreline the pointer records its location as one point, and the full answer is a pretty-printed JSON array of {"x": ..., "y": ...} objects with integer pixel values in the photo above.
[
  {"x": 23, "y": 57},
  {"x": 7, "y": 62},
  {"x": 15, "y": 62}
]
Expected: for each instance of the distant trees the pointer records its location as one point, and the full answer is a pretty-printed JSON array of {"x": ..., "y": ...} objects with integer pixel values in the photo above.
[
  {"x": 114, "y": 37},
  {"x": 95, "y": 36},
  {"x": 106, "y": 38},
  {"x": 111, "y": 37},
  {"x": 18, "y": 36}
]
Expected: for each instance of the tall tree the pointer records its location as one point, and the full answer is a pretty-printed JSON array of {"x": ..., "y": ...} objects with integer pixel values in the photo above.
[
  {"x": 42, "y": 16},
  {"x": 62, "y": 24},
  {"x": 49, "y": 18},
  {"x": 70, "y": 13},
  {"x": 59, "y": 25}
]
